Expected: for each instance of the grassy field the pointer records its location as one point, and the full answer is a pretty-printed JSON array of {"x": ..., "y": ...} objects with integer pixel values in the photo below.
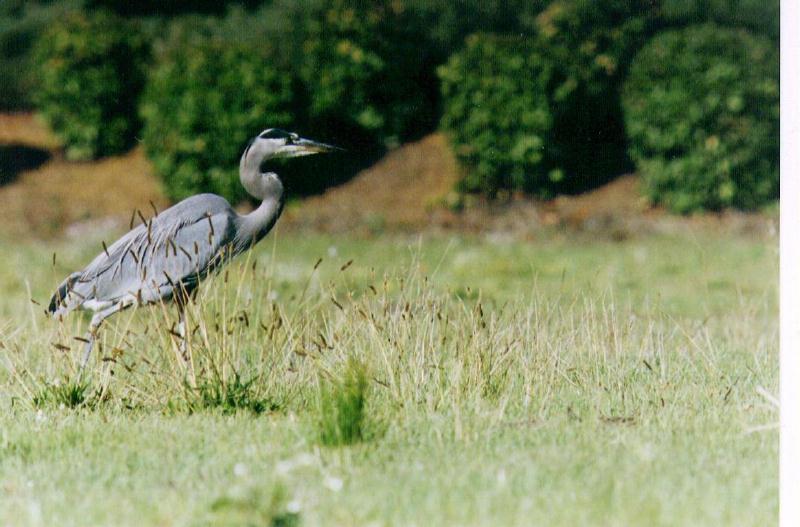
[{"x": 406, "y": 381}]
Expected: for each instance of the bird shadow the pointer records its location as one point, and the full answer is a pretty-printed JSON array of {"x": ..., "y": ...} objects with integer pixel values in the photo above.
[{"x": 17, "y": 158}]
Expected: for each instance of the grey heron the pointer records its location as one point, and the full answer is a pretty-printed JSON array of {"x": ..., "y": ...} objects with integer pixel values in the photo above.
[{"x": 168, "y": 256}]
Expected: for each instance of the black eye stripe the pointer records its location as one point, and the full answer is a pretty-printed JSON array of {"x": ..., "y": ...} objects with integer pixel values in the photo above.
[{"x": 275, "y": 133}]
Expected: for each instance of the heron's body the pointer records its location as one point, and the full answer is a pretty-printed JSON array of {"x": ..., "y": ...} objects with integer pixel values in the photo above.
[{"x": 168, "y": 256}]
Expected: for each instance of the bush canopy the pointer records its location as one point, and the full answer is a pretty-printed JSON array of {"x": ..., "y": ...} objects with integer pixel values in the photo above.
[
  {"x": 204, "y": 100},
  {"x": 91, "y": 71},
  {"x": 497, "y": 116},
  {"x": 702, "y": 114}
]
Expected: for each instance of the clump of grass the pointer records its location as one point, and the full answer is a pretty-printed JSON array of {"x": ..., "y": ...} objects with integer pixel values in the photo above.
[
  {"x": 70, "y": 394},
  {"x": 343, "y": 417},
  {"x": 228, "y": 395},
  {"x": 251, "y": 508}
]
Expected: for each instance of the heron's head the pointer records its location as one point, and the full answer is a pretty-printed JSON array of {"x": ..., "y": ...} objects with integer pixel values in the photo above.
[{"x": 272, "y": 144}]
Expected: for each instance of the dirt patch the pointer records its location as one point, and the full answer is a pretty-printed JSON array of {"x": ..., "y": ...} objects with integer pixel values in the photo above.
[
  {"x": 26, "y": 129},
  {"x": 61, "y": 194},
  {"x": 58, "y": 194},
  {"x": 401, "y": 191}
]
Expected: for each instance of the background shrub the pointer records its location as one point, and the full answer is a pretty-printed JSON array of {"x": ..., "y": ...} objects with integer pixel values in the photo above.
[
  {"x": 563, "y": 78},
  {"x": 205, "y": 98},
  {"x": 362, "y": 75},
  {"x": 702, "y": 114},
  {"x": 21, "y": 23},
  {"x": 365, "y": 65},
  {"x": 90, "y": 77},
  {"x": 761, "y": 17},
  {"x": 592, "y": 41},
  {"x": 448, "y": 23},
  {"x": 589, "y": 44},
  {"x": 340, "y": 94},
  {"x": 497, "y": 115},
  {"x": 172, "y": 8}
]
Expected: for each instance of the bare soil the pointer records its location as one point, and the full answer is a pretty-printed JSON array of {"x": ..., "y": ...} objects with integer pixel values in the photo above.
[
  {"x": 58, "y": 196},
  {"x": 404, "y": 190}
]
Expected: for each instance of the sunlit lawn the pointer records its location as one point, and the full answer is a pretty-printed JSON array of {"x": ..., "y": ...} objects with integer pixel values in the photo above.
[{"x": 565, "y": 381}]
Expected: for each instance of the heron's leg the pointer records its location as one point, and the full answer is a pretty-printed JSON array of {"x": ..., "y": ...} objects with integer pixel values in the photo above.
[
  {"x": 181, "y": 299},
  {"x": 181, "y": 330},
  {"x": 87, "y": 352},
  {"x": 97, "y": 320}
]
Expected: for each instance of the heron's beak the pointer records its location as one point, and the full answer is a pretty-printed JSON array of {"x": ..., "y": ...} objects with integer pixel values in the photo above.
[{"x": 305, "y": 147}]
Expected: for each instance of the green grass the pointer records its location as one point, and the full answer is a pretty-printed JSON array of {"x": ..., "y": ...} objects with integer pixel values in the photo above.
[
  {"x": 70, "y": 394},
  {"x": 343, "y": 417},
  {"x": 431, "y": 381}
]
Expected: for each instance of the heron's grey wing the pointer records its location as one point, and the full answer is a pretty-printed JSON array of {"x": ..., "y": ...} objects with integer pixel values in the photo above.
[
  {"x": 80, "y": 287},
  {"x": 180, "y": 245}
]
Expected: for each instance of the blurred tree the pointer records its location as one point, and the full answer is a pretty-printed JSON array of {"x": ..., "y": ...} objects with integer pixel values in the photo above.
[
  {"x": 205, "y": 98},
  {"x": 588, "y": 46},
  {"x": 365, "y": 64},
  {"x": 171, "y": 8},
  {"x": 90, "y": 74},
  {"x": 21, "y": 23},
  {"x": 499, "y": 117},
  {"x": 702, "y": 112},
  {"x": 761, "y": 17},
  {"x": 363, "y": 73},
  {"x": 575, "y": 53}
]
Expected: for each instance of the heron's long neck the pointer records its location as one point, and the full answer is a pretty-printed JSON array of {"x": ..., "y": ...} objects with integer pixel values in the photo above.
[
  {"x": 254, "y": 226},
  {"x": 268, "y": 188}
]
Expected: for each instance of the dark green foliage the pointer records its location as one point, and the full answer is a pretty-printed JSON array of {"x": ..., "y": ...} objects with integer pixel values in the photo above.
[
  {"x": 343, "y": 418},
  {"x": 365, "y": 64},
  {"x": 497, "y": 114},
  {"x": 569, "y": 63},
  {"x": 762, "y": 17},
  {"x": 205, "y": 98},
  {"x": 369, "y": 67},
  {"x": 590, "y": 44},
  {"x": 592, "y": 41},
  {"x": 328, "y": 74},
  {"x": 702, "y": 114},
  {"x": 362, "y": 75},
  {"x": 171, "y": 8},
  {"x": 21, "y": 23},
  {"x": 540, "y": 113},
  {"x": 90, "y": 78},
  {"x": 449, "y": 23}
]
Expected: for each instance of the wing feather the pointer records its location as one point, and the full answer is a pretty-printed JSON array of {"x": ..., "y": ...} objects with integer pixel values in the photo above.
[{"x": 176, "y": 248}]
